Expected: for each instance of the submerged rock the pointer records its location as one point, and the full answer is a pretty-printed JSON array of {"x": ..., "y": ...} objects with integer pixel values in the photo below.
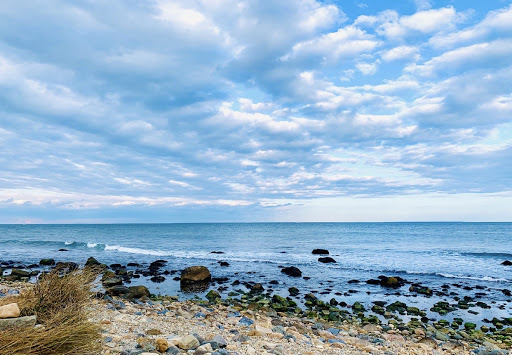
[
  {"x": 47, "y": 262},
  {"x": 292, "y": 271},
  {"x": 507, "y": 263},
  {"x": 326, "y": 260}
]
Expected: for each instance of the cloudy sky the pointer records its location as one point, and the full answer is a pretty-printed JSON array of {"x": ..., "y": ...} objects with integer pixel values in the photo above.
[{"x": 224, "y": 110}]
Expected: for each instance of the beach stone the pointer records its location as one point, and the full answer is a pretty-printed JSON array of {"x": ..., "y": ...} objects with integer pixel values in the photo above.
[
  {"x": 220, "y": 341},
  {"x": 173, "y": 350},
  {"x": 8, "y": 323},
  {"x": 20, "y": 273},
  {"x": 162, "y": 345},
  {"x": 194, "y": 274},
  {"x": 259, "y": 331},
  {"x": 47, "y": 262},
  {"x": 292, "y": 271},
  {"x": 507, "y": 263},
  {"x": 10, "y": 310},
  {"x": 203, "y": 349},
  {"x": 429, "y": 342},
  {"x": 139, "y": 291},
  {"x": 188, "y": 342},
  {"x": 320, "y": 252}
]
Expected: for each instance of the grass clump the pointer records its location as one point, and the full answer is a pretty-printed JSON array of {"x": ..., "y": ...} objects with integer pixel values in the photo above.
[{"x": 61, "y": 304}]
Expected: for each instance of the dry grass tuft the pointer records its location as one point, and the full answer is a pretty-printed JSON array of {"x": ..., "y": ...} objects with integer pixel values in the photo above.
[{"x": 61, "y": 304}]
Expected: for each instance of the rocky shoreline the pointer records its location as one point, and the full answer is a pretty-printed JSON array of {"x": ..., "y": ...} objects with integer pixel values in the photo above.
[{"x": 249, "y": 318}]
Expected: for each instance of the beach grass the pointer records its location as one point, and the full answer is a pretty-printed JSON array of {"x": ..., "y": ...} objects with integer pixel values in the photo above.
[{"x": 61, "y": 304}]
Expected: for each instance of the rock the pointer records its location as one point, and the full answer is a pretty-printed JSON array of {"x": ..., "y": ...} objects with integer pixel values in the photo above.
[
  {"x": 220, "y": 341},
  {"x": 393, "y": 282},
  {"x": 158, "y": 279},
  {"x": 259, "y": 331},
  {"x": 92, "y": 262},
  {"x": 112, "y": 281},
  {"x": 223, "y": 263},
  {"x": 10, "y": 310},
  {"x": 204, "y": 349},
  {"x": 320, "y": 252},
  {"x": 292, "y": 271},
  {"x": 212, "y": 295},
  {"x": 257, "y": 288},
  {"x": 469, "y": 326},
  {"x": 118, "y": 290},
  {"x": 154, "y": 331},
  {"x": 162, "y": 345},
  {"x": 188, "y": 342},
  {"x": 47, "y": 262},
  {"x": 507, "y": 263},
  {"x": 429, "y": 342},
  {"x": 294, "y": 291},
  {"x": 326, "y": 260},
  {"x": 195, "y": 274},
  {"x": 20, "y": 273},
  {"x": 139, "y": 291},
  {"x": 19, "y": 322}
]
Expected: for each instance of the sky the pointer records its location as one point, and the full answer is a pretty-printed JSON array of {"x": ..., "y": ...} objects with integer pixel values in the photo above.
[{"x": 127, "y": 111}]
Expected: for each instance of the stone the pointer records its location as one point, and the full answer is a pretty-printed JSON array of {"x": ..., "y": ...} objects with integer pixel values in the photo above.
[
  {"x": 162, "y": 345},
  {"x": 139, "y": 291},
  {"x": 118, "y": 290},
  {"x": 20, "y": 273},
  {"x": 220, "y": 341},
  {"x": 194, "y": 274},
  {"x": 10, "y": 310},
  {"x": 259, "y": 331},
  {"x": 292, "y": 271},
  {"x": 154, "y": 331},
  {"x": 19, "y": 322},
  {"x": 320, "y": 252},
  {"x": 212, "y": 295},
  {"x": 429, "y": 342},
  {"x": 507, "y": 263},
  {"x": 188, "y": 342},
  {"x": 326, "y": 260},
  {"x": 112, "y": 281},
  {"x": 294, "y": 291},
  {"x": 204, "y": 349},
  {"x": 47, "y": 262}
]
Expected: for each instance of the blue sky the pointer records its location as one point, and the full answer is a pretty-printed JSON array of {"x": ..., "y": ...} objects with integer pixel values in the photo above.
[{"x": 191, "y": 111}]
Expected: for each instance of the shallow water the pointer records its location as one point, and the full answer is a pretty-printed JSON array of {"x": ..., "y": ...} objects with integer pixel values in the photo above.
[{"x": 433, "y": 254}]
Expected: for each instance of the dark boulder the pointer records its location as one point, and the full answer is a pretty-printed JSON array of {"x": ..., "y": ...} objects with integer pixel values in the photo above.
[
  {"x": 320, "y": 252},
  {"x": 47, "y": 262},
  {"x": 158, "y": 279},
  {"x": 118, "y": 290},
  {"x": 292, "y": 271},
  {"x": 139, "y": 291},
  {"x": 326, "y": 260},
  {"x": 223, "y": 263},
  {"x": 92, "y": 262},
  {"x": 507, "y": 263},
  {"x": 294, "y": 291},
  {"x": 392, "y": 282},
  {"x": 194, "y": 274}
]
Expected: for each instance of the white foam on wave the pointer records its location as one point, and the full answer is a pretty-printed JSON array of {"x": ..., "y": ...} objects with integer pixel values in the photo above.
[
  {"x": 68, "y": 243},
  {"x": 136, "y": 250},
  {"x": 92, "y": 245},
  {"x": 483, "y": 278}
]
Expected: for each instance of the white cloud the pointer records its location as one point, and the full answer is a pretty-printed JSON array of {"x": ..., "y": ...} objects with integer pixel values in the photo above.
[
  {"x": 367, "y": 68},
  {"x": 409, "y": 53},
  {"x": 427, "y": 22},
  {"x": 499, "y": 21}
]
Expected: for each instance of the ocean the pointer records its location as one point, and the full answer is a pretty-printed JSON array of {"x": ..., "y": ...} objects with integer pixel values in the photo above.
[{"x": 465, "y": 256}]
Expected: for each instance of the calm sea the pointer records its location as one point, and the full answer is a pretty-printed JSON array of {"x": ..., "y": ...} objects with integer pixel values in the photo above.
[{"x": 468, "y": 254}]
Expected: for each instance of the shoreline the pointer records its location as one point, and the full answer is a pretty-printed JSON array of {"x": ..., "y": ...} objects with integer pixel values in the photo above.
[{"x": 394, "y": 326}]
